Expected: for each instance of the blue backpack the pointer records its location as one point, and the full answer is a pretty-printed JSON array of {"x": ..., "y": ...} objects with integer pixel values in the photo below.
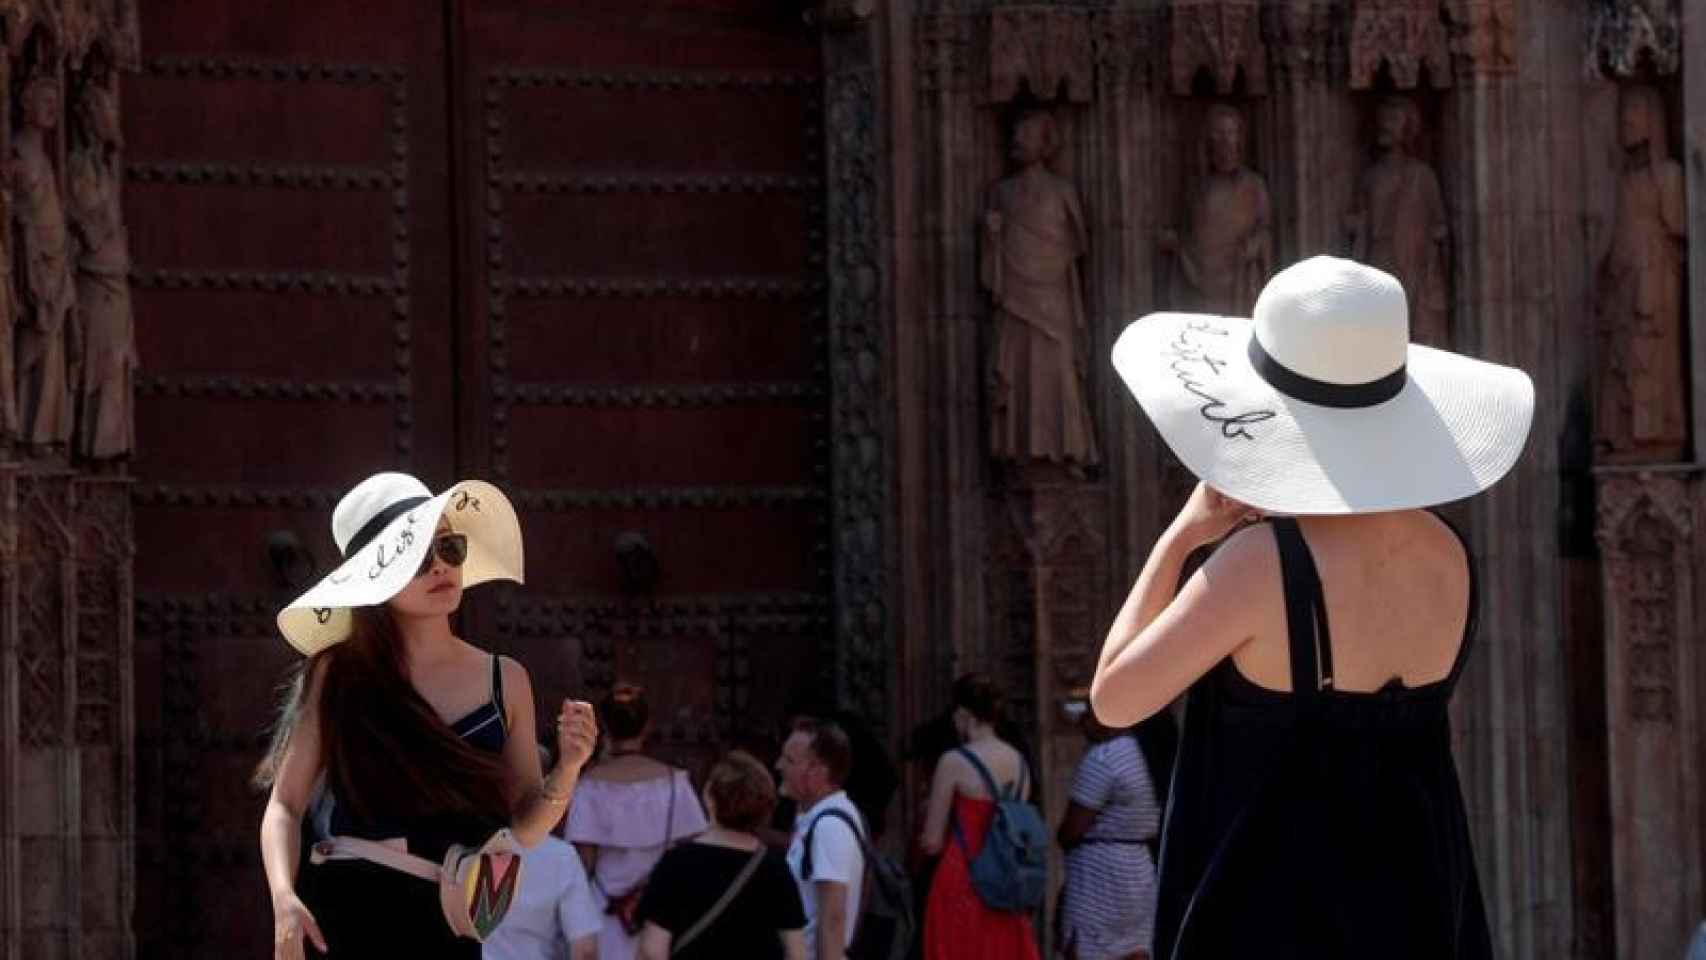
[{"x": 1011, "y": 871}]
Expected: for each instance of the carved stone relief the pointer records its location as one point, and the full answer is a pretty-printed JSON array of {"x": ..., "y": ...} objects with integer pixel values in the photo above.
[
  {"x": 1399, "y": 222},
  {"x": 1640, "y": 413},
  {"x": 1226, "y": 252},
  {"x": 50, "y": 346},
  {"x": 106, "y": 430},
  {"x": 1624, "y": 33},
  {"x": 1646, "y": 531},
  {"x": 1303, "y": 36},
  {"x": 1222, "y": 37},
  {"x": 1034, "y": 237},
  {"x": 1482, "y": 35},
  {"x": 1042, "y": 48},
  {"x": 1405, "y": 36},
  {"x": 67, "y": 357}
]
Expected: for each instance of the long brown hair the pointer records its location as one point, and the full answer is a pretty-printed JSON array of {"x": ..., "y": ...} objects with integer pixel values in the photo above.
[{"x": 384, "y": 748}]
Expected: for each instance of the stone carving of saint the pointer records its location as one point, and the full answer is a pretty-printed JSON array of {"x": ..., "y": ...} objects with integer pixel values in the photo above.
[
  {"x": 49, "y": 341},
  {"x": 1640, "y": 413},
  {"x": 105, "y": 430},
  {"x": 1034, "y": 237},
  {"x": 1399, "y": 223},
  {"x": 1227, "y": 251}
]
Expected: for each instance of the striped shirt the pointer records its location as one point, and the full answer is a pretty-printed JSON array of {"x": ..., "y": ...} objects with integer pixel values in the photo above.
[{"x": 1109, "y": 906}]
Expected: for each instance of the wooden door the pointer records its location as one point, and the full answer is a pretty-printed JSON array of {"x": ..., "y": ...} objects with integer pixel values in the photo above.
[
  {"x": 572, "y": 247},
  {"x": 644, "y": 318}
]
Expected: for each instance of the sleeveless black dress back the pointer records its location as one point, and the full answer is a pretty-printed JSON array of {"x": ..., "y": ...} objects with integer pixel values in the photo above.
[{"x": 1317, "y": 823}]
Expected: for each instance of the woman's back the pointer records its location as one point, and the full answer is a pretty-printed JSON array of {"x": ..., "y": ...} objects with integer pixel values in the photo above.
[
  {"x": 1329, "y": 821},
  {"x": 1397, "y": 590},
  {"x": 691, "y": 878}
]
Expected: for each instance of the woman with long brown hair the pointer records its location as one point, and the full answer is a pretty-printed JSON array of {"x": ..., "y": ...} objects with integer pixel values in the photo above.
[{"x": 401, "y": 727}]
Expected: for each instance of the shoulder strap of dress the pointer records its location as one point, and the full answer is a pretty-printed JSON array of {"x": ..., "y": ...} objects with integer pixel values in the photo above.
[
  {"x": 1310, "y": 642},
  {"x": 498, "y": 692},
  {"x": 1472, "y": 622}
]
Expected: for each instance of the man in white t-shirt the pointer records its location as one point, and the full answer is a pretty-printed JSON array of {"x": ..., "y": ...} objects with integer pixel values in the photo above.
[
  {"x": 554, "y": 907},
  {"x": 815, "y": 763}
]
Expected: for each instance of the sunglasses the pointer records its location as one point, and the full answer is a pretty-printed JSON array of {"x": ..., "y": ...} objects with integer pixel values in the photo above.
[{"x": 452, "y": 548}]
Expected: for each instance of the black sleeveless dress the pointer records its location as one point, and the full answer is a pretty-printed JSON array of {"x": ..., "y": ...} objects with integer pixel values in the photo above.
[
  {"x": 1319, "y": 823},
  {"x": 366, "y": 910}
]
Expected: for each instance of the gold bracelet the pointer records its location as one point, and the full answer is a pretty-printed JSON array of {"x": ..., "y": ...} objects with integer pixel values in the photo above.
[{"x": 554, "y": 799}]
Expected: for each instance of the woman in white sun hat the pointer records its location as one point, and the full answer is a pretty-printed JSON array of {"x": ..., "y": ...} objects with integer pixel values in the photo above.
[
  {"x": 407, "y": 726},
  {"x": 1315, "y": 810}
]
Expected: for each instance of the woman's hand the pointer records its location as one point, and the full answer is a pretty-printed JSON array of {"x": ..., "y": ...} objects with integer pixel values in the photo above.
[
  {"x": 1209, "y": 515},
  {"x": 577, "y": 734},
  {"x": 292, "y": 923}
]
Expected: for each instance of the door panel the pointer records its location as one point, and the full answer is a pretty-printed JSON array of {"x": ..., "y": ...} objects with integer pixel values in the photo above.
[
  {"x": 570, "y": 246},
  {"x": 646, "y": 310},
  {"x": 288, "y": 204}
]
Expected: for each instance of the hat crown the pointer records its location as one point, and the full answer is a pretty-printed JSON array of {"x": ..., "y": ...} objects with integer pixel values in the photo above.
[
  {"x": 367, "y": 499},
  {"x": 1334, "y": 320}
]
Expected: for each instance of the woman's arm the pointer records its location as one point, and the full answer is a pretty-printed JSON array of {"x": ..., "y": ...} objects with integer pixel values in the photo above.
[
  {"x": 933, "y": 837},
  {"x": 1159, "y": 644},
  {"x": 1075, "y": 824},
  {"x": 539, "y": 802},
  {"x": 793, "y": 944},
  {"x": 281, "y": 826},
  {"x": 654, "y": 942}
]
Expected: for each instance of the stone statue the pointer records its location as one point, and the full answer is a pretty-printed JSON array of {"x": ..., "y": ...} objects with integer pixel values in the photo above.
[
  {"x": 105, "y": 429},
  {"x": 1399, "y": 222},
  {"x": 1640, "y": 413},
  {"x": 49, "y": 341},
  {"x": 1034, "y": 237},
  {"x": 1227, "y": 252}
]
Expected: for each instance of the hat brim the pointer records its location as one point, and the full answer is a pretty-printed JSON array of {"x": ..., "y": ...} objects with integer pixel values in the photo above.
[
  {"x": 380, "y": 570},
  {"x": 1457, "y": 426}
]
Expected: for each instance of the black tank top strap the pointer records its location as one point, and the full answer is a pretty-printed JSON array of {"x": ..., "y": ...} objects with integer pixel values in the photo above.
[
  {"x": 1308, "y": 637},
  {"x": 1471, "y": 623},
  {"x": 498, "y": 692}
]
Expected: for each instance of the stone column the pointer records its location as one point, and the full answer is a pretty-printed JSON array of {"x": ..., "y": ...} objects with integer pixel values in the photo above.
[
  {"x": 1693, "y": 157},
  {"x": 1651, "y": 553},
  {"x": 1509, "y": 714}
]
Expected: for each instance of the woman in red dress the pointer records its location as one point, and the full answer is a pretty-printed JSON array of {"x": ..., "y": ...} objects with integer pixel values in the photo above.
[{"x": 956, "y": 923}]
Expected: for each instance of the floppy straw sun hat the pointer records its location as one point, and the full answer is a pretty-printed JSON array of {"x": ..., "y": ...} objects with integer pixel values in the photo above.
[
  {"x": 384, "y": 527},
  {"x": 1319, "y": 404}
]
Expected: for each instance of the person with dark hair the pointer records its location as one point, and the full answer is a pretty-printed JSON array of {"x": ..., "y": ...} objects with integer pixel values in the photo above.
[
  {"x": 814, "y": 766},
  {"x": 872, "y": 779},
  {"x": 726, "y": 894},
  {"x": 1107, "y": 906},
  {"x": 407, "y": 725},
  {"x": 957, "y": 923},
  {"x": 630, "y": 810}
]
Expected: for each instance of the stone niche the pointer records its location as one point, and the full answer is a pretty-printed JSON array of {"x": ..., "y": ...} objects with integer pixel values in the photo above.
[
  {"x": 1651, "y": 561},
  {"x": 67, "y": 365},
  {"x": 67, "y": 767}
]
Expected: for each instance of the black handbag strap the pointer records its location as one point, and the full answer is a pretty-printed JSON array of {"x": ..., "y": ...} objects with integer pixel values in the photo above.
[{"x": 722, "y": 903}]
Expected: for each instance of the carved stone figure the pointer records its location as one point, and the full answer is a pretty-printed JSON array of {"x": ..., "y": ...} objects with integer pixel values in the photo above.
[
  {"x": 1227, "y": 251},
  {"x": 105, "y": 430},
  {"x": 1640, "y": 413},
  {"x": 49, "y": 341},
  {"x": 1035, "y": 235},
  {"x": 1399, "y": 223}
]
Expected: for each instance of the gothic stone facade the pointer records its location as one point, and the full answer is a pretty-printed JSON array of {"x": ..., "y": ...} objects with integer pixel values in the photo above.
[{"x": 1533, "y": 171}]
